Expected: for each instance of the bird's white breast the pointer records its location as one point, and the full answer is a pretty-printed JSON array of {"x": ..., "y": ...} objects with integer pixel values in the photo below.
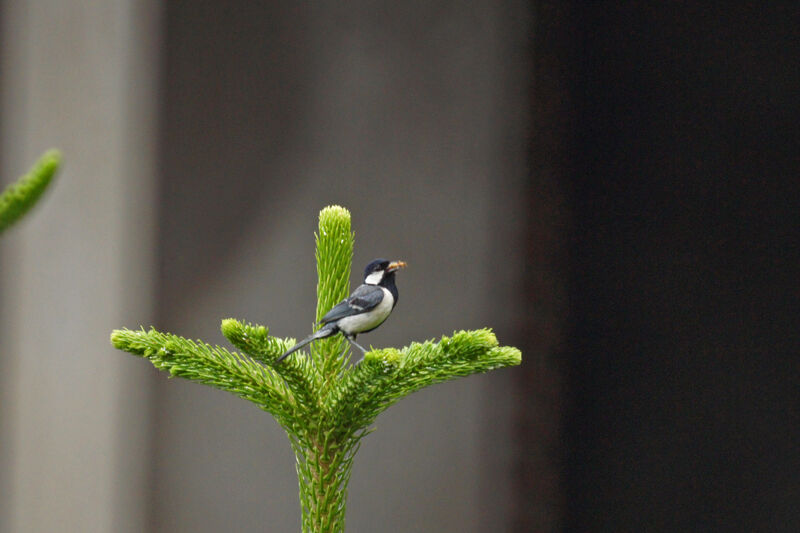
[{"x": 371, "y": 319}]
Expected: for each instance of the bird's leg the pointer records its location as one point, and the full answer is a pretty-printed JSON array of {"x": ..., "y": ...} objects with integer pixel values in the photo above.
[{"x": 352, "y": 339}]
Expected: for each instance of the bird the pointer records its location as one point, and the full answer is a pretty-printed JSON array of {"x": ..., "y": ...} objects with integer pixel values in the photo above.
[{"x": 364, "y": 310}]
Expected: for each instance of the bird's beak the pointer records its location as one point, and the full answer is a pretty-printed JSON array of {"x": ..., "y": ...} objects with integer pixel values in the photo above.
[{"x": 395, "y": 265}]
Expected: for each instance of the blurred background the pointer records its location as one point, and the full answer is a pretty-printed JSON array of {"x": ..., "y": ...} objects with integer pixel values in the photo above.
[{"x": 612, "y": 187}]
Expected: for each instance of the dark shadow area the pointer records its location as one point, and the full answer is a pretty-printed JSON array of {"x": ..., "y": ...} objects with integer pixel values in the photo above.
[{"x": 681, "y": 392}]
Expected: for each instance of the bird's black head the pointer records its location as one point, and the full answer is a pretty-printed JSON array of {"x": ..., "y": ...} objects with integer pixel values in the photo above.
[{"x": 381, "y": 271}]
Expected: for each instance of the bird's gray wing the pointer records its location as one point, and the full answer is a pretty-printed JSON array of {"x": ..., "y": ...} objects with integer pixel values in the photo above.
[{"x": 364, "y": 298}]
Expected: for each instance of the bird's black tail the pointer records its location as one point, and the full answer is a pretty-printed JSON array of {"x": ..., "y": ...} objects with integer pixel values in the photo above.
[{"x": 324, "y": 331}]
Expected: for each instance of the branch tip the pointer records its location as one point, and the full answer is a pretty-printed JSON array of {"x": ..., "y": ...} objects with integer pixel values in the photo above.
[{"x": 20, "y": 196}]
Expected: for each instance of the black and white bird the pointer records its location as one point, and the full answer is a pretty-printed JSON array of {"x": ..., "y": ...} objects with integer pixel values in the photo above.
[{"x": 364, "y": 310}]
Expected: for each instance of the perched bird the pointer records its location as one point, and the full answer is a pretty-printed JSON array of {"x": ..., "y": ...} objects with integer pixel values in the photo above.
[{"x": 364, "y": 310}]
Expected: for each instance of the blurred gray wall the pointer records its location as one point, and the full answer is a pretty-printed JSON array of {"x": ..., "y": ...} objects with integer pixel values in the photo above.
[
  {"x": 73, "y": 413},
  {"x": 411, "y": 115}
]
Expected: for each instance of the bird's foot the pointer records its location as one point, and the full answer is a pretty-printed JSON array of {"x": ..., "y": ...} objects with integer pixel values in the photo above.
[{"x": 353, "y": 342}]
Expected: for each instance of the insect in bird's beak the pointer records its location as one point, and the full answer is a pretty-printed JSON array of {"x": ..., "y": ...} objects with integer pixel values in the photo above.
[{"x": 395, "y": 265}]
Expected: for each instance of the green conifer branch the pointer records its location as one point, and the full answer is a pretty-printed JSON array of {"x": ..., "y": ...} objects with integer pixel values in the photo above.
[
  {"x": 212, "y": 365},
  {"x": 385, "y": 376},
  {"x": 297, "y": 372},
  {"x": 326, "y": 405},
  {"x": 19, "y": 197}
]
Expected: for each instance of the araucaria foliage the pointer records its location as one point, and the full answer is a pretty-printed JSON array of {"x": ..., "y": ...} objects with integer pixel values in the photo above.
[
  {"x": 325, "y": 404},
  {"x": 18, "y": 198}
]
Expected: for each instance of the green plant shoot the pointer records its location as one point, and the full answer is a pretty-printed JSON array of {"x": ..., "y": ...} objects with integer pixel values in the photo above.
[
  {"x": 19, "y": 197},
  {"x": 325, "y": 405}
]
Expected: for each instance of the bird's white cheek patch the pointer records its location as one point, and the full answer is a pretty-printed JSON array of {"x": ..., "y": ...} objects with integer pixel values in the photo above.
[{"x": 374, "y": 278}]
